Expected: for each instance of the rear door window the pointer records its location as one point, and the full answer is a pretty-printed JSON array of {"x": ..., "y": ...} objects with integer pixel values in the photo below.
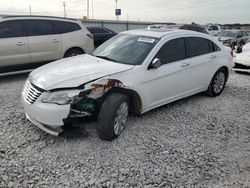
[
  {"x": 37, "y": 27},
  {"x": 197, "y": 46},
  {"x": 173, "y": 50},
  {"x": 10, "y": 29}
]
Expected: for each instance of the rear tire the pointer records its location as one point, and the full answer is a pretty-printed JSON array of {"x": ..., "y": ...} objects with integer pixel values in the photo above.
[
  {"x": 73, "y": 52},
  {"x": 217, "y": 83},
  {"x": 112, "y": 116}
]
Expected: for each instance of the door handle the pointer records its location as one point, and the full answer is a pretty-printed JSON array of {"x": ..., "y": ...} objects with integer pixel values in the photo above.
[
  {"x": 56, "y": 40},
  {"x": 20, "y": 43},
  {"x": 185, "y": 64},
  {"x": 213, "y": 56}
]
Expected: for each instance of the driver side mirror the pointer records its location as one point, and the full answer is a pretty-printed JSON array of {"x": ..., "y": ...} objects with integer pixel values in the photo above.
[{"x": 156, "y": 63}]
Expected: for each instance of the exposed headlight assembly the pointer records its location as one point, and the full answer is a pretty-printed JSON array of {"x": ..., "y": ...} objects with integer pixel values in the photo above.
[{"x": 61, "y": 97}]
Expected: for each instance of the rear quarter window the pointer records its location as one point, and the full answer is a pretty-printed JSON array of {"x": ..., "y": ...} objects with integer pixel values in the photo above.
[{"x": 60, "y": 27}]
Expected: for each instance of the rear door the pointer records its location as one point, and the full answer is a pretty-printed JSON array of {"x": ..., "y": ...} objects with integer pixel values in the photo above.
[
  {"x": 203, "y": 56},
  {"x": 14, "y": 48},
  {"x": 44, "y": 43}
]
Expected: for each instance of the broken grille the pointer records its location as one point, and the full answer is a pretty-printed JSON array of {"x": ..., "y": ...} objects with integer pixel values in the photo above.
[{"x": 31, "y": 92}]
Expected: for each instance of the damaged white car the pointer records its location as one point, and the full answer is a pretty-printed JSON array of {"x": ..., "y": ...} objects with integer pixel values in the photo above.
[
  {"x": 242, "y": 60},
  {"x": 135, "y": 71}
]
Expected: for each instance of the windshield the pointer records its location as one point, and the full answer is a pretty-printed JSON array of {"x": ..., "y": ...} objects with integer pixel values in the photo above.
[
  {"x": 227, "y": 34},
  {"x": 126, "y": 49}
]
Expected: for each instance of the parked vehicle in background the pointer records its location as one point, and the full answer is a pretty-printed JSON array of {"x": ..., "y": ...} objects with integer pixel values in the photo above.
[
  {"x": 242, "y": 60},
  {"x": 164, "y": 25},
  {"x": 29, "y": 41},
  {"x": 191, "y": 27},
  {"x": 100, "y": 34},
  {"x": 194, "y": 27},
  {"x": 233, "y": 38},
  {"x": 213, "y": 29},
  {"x": 135, "y": 71}
]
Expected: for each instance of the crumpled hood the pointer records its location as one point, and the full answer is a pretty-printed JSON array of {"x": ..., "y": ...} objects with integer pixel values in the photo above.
[{"x": 74, "y": 71}]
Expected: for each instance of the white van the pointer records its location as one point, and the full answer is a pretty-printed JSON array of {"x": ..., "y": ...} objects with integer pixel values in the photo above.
[{"x": 29, "y": 41}]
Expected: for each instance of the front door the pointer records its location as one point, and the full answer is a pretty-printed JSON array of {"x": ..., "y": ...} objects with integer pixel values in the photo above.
[
  {"x": 14, "y": 48},
  {"x": 170, "y": 80}
]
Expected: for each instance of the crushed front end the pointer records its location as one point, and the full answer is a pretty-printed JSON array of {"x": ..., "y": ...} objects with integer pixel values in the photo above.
[{"x": 52, "y": 110}]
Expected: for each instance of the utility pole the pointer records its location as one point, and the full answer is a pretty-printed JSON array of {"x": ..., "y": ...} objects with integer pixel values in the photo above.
[
  {"x": 64, "y": 7},
  {"x": 92, "y": 9},
  {"x": 30, "y": 10},
  {"x": 87, "y": 9}
]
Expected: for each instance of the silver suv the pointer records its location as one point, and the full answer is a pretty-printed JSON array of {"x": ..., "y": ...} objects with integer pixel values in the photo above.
[{"x": 29, "y": 41}]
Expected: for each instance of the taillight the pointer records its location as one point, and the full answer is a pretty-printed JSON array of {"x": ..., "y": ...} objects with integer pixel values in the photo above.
[{"x": 90, "y": 35}]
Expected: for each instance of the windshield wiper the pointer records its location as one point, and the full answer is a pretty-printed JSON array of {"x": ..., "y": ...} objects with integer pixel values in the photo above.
[{"x": 105, "y": 57}]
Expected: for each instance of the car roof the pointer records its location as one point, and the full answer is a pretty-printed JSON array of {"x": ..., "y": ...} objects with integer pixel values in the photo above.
[
  {"x": 35, "y": 16},
  {"x": 93, "y": 26},
  {"x": 159, "y": 33}
]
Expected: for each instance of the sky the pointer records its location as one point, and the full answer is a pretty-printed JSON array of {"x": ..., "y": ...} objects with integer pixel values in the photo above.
[{"x": 180, "y": 11}]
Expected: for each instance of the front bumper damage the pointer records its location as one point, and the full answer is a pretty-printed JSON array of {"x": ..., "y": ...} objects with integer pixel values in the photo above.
[
  {"x": 52, "y": 118},
  {"x": 48, "y": 129}
]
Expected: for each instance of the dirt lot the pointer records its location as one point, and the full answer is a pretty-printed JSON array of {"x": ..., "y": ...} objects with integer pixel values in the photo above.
[{"x": 196, "y": 142}]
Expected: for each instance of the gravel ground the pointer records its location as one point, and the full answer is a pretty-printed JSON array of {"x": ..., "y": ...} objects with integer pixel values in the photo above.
[{"x": 195, "y": 142}]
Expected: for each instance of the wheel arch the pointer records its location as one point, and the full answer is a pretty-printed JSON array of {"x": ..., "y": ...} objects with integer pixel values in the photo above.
[
  {"x": 73, "y": 48},
  {"x": 134, "y": 98},
  {"x": 226, "y": 71}
]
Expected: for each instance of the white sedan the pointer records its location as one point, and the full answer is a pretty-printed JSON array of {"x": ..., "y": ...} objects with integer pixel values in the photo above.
[{"x": 135, "y": 71}]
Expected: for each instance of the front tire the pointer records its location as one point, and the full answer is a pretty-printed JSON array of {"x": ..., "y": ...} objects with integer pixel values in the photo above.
[
  {"x": 113, "y": 116},
  {"x": 217, "y": 83}
]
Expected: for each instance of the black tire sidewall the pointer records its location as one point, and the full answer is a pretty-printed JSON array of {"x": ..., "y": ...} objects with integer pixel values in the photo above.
[
  {"x": 211, "y": 88},
  {"x": 107, "y": 113},
  {"x": 73, "y": 51}
]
